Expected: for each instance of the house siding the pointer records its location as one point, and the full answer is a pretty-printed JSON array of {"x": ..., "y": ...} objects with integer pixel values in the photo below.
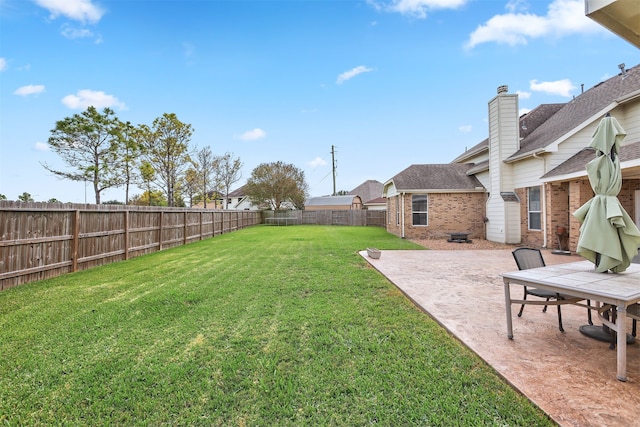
[{"x": 630, "y": 122}]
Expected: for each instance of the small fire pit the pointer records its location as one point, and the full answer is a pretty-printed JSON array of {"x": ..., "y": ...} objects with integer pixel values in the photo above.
[{"x": 459, "y": 237}]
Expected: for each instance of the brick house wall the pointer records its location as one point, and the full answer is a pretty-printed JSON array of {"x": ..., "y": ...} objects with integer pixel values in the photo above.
[
  {"x": 448, "y": 212},
  {"x": 580, "y": 192},
  {"x": 558, "y": 213},
  {"x": 531, "y": 238}
]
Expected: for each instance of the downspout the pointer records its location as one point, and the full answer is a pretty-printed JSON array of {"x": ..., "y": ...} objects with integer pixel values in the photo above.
[
  {"x": 402, "y": 215},
  {"x": 543, "y": 201}
]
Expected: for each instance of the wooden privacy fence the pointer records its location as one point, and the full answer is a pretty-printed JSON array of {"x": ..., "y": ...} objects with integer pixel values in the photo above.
[
  {"x": 356, "y": 217},
  {"x": 43, "y": 240}
]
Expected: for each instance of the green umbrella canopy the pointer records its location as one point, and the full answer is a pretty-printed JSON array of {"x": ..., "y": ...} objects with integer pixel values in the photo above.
[{"x": 608, "y": 236}]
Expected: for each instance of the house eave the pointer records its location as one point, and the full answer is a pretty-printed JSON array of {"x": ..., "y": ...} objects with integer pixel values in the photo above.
[
  {"x": 621, "y": 17},
  {"x": 525, "y": 155}
]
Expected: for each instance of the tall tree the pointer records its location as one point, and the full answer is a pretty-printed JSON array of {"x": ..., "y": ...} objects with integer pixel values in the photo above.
[
  {"x": 192, "y": 182},
  {"x": 167, "y": 151},
  {"x": 130, "y": 148},
  {"x": 204, "y": 167},
  {"x": 147, "y": 176},
  {"x": 276, "y": 183},
  {"x": 88, "y": 144},
  {"x": 226, "y": 173}
]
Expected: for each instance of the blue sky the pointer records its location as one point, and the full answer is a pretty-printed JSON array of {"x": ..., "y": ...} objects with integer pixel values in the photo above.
[{"x": 389, "y": 83}]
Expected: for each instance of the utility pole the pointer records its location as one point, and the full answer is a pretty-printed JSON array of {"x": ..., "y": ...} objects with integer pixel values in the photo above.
[{"x": 333, "y": 168}]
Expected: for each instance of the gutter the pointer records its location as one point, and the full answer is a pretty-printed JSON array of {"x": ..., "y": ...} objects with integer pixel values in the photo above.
[{"x": 402, "y": 215}]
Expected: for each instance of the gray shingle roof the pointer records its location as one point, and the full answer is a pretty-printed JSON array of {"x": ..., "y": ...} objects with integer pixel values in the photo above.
[
  {"x": 436, "y": 177},
  {"x": 576, "y": 112},
  {"x": 368, "y": 190},
  {"x": 240, "y": 192},
  {"x": 578, "y": 161}
]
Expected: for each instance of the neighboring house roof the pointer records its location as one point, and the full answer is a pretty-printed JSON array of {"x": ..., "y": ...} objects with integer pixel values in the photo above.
[
  {"x": 239, "y": 192},
  {"x": 368, "y": 190},
  {"x": 579, "y": 112},
  {"x": 330, "y": 200},
  {"x": 578, "y": 161},
  {"x": 436, "y": 177},
  {"x": 377, "y": 201}
]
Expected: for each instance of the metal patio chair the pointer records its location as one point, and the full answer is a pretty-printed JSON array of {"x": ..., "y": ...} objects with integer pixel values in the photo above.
[{"x": 532, "y": 258}]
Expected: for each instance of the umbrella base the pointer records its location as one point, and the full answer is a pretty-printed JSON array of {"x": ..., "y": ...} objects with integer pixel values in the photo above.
[{"x": 599, "y": 333}]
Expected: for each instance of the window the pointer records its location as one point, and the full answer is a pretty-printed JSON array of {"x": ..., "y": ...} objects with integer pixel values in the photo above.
[
  {"x": 420, "y": 210},
  {"x": 398, "y": 210},
  {"x": 535, "y": 214}
]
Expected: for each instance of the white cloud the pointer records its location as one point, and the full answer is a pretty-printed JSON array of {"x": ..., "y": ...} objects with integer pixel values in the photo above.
[
  {"x": 347, "y": 75},
  {"x": 76, "y": 33},
  {"x": 252, "y": 135},
  {"x": 87, "y": 98},
  {"x": 465, "y": 129},
  {"x": 417, "y": 8},
  {"x": 514, "y": 28},
  {"x": 41, "y": 146},
  {"x": 318, "y": 161},
  {"x": 77, "y": 10},
  {"x": 523, "y": 95},
  {"x": 523, "y": 111},
  {"x": 29, "y": 90},
  {"x": 559, "y": 87},
  {"x": 3, "y": 64}
]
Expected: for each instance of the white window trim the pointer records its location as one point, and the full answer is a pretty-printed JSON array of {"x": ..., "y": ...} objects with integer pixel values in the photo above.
[
  {"x": 529, "y": 211},
  {"x": 426, "y": 212}
]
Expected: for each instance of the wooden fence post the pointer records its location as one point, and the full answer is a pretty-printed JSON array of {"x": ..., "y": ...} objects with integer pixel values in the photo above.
[
  {"x": 126, "y": 234},
  {"x": 160, "y": 231},
  {"x": 75, "y": 241}
]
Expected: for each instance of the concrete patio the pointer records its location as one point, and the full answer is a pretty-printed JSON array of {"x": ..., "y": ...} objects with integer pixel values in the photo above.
[{"x": 569, "y": 376}]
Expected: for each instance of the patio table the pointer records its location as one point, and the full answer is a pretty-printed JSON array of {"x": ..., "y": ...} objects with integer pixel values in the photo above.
[{"x": 579, "y": 279}]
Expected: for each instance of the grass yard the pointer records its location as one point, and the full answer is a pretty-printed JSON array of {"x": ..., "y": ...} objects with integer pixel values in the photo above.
[{"x": 267, "y": 326}]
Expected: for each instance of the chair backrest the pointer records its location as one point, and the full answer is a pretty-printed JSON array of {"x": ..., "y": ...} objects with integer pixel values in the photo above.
[{"x": 528, "y": 258}]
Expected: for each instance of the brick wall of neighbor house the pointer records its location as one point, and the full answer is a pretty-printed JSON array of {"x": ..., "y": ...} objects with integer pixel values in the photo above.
[
  {"x": 448, "y": 212},
  {"x": 532, "y": 238},
  {"x": 557, "y": 209}
]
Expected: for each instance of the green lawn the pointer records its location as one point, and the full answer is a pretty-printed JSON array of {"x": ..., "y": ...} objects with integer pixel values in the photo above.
[{"x": 266, "y": 326}]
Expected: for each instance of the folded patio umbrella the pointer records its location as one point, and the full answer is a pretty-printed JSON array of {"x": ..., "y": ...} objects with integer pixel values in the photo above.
[{"x": 608, "y": 236}]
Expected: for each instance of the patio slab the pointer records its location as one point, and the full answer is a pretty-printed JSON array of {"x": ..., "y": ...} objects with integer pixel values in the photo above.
[{"x": 568, "y": 375}]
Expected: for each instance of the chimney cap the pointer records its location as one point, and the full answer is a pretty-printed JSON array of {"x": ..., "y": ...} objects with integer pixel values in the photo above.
[{"x": 503, "y": 89}]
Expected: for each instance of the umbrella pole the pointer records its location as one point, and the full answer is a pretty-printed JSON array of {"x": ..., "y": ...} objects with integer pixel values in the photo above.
[{"x": 603, "y": 332}]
